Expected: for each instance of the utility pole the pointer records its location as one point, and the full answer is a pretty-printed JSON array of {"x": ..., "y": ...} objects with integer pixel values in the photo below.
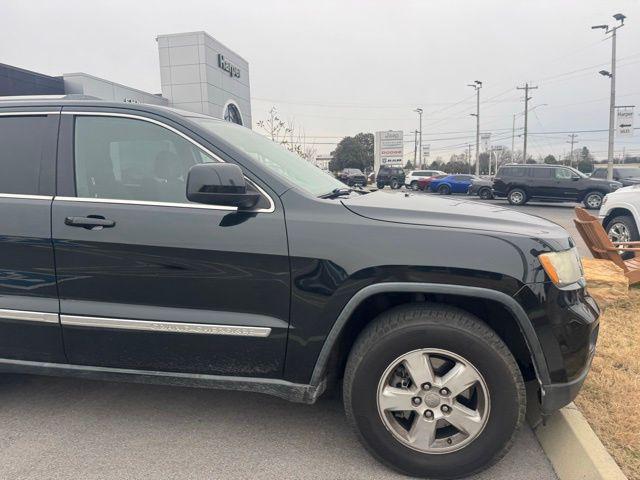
[
  {"x": 526, "y": 89},
  {"x": 612, "y": 76},
  {"x": 573, "y": 137},
  {"x": 513, "y": 136},
  {"x": 469, "y": 156},
  {"x": 419, "y": 111},
  {"x": 415, "y": 149},
  {"x": 477, "y": 85}
]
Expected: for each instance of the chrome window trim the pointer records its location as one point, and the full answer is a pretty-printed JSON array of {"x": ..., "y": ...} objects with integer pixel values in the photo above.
[
  {"x": 16, "y": 114},
  {"x": 169, "y": 327},
  {"x": 28, "y": 316},
  {"x": 25, "y": 196},
  {"x": 270, "y": 209},
  {"x": 147, "y": 203}
]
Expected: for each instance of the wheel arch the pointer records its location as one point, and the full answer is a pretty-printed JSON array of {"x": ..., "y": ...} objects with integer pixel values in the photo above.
[
  {"x": 616, "y": 212},
  {"x": 518, "y": 333}
]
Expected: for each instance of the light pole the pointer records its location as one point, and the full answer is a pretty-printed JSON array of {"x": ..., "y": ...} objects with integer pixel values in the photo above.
[
  {"x": 477, "y": 85},
  {"x": 513, "y": 137},
  {"x": 612, "y": 76},
  {"x": 419, "y": 111}
]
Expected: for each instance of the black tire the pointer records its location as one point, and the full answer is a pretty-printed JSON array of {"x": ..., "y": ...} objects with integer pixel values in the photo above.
[
  {"x": 517, "y": 196},
  {"x": 394, "y": 184},
  {"x": 410, "y": 327},
  {"x": 414, "y": 186},
  {"x": 593, "y": 200},
  {"x": 444, "y": 190},
  {"x": 380, "y": 185},
  {"x": 485, "y": 193}
]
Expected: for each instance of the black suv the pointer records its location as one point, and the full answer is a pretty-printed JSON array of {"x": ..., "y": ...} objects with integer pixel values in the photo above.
[
  {"x": 627, "y": 176},
  {"x": 352, "y": 177},
  {"x": 392, "y": 176},
  {"x": 521, "y": 183},
  {"x": 145, "y": 244}
]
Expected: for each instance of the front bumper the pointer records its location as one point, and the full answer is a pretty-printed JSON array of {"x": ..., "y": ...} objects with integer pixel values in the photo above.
[{"x": 566, "y": 323}]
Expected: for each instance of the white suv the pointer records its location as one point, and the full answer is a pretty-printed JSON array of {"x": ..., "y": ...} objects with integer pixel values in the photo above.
[
  {"x": 411, "y": 180},
  {"x": 620, "y": 214}
]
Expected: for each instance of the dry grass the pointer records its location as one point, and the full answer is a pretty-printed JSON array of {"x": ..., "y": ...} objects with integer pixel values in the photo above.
[{"x": 610, "y": 398}]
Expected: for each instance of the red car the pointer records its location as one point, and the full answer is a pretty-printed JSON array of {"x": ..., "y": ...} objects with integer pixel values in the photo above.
[{"x": 423, "y": 183}]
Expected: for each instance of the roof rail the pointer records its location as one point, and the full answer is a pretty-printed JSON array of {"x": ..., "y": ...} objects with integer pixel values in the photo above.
[{"x": 72, "y": 96}]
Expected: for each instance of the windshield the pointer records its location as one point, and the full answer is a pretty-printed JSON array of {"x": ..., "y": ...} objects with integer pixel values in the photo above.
[
  {"x": 628, "y": 172},
  {"x": 273, "y": 156},
  {"x": 577, "y": 172}
]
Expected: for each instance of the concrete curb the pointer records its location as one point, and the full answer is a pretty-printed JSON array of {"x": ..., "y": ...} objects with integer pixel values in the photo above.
[{"x": 573, "y": 448}]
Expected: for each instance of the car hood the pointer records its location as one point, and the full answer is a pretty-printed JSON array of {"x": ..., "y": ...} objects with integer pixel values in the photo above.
[
  {"x": 633, "y": 180},
  {"x": 450, "y": 212}
]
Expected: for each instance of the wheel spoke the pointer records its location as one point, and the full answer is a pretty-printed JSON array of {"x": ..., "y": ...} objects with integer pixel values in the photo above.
[
  {"x": 419, "y": 367},
  {"x": 464, "y": 419},
  {"x": 396, "y": 399},
  {"x": 459, "y": 378},
  {"x": 422, "y": 433}
]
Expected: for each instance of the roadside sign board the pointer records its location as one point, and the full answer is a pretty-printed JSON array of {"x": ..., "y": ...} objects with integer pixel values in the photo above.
[
  {"x": 624, "y": 122},
  {"x": 426, "y": 151},
  {"x": 388, "y": 148}
]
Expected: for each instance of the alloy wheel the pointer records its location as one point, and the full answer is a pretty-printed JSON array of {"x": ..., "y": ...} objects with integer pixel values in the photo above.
[
  {"x": 619, "y": 232},
  {"x": 433, "y": 401},
  {"x": 516, "y": 197},
  {"x": 594, "y": 200}
]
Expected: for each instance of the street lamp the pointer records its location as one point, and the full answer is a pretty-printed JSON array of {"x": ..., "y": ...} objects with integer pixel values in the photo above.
[
  {"x": 419, "y": 112},
  {"x": 477, "y": 85},
  {"x": 612, "y": 76}
]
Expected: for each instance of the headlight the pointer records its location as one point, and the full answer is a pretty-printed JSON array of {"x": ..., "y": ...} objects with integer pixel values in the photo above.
[{"x": 563, "y": 268}]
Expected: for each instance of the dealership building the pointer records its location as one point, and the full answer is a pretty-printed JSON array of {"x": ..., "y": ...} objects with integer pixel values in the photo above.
[{"x": 197, "y": 73}]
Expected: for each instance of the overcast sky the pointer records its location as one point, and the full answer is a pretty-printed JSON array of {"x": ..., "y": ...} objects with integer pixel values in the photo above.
[{"x": 337, "y": 68}]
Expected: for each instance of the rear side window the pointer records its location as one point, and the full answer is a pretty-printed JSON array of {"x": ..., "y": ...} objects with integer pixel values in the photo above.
[
  {"x": 542, "y": 172},
  {"x": 512, "y": 171},
  {"x": 26, "y": 159}
]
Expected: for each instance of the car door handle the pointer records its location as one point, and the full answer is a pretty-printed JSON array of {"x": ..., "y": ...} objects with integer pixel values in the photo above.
[{"x": 91, "y": 222}]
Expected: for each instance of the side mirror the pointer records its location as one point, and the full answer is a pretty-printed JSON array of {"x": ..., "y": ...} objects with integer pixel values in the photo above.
[
  {"x": 575, "y": 177},
  {"x": 219, "y": 184}
]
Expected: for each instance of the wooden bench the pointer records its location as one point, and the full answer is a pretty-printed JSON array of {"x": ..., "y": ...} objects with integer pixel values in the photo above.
[{"x": 601, "y": 246}]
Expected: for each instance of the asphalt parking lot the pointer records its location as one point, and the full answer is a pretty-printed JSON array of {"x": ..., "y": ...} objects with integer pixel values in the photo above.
[
  {"x": 69, "y": 429},
  {"x": 64, "y": 428}
]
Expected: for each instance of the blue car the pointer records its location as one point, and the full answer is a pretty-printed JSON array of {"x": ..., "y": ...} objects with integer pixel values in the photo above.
[{"x": 451, "y": 184}]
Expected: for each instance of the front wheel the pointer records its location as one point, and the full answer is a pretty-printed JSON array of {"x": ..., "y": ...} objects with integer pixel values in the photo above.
[
  {"x": 394, "y": 184},
  {"x": 593, "y": 200},
  {"x": 414, "y": 185},
  {"x": 380, "y": 185},
  {"x": 433, "y": 392}
]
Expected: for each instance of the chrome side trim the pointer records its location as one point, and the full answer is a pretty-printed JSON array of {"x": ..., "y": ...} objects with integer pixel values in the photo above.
[
  {"x": 170, "y": 327},
  {"x": 27, "y": 316},
  {"x": 144, "y": 202},
  {"x": 272, "y": 205},
  {"x": 26, "y": 197}
]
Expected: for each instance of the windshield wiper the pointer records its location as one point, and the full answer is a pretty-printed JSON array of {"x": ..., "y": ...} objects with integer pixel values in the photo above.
[{"x": 336, "y": 192}]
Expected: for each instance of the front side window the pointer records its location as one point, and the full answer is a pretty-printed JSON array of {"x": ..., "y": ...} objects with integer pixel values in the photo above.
[
  {"x": 563, "y": 174},
  {"x": 127, "y": 159},
  {"x": 23, "y": 143},
  {"x": 600, "y": 173}
]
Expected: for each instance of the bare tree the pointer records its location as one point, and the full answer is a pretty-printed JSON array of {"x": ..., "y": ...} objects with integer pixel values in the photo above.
[{"x": 286, "y": 135}]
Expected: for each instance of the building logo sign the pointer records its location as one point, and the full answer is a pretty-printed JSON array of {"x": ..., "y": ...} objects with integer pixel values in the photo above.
[{"x": 231, "y": 68}]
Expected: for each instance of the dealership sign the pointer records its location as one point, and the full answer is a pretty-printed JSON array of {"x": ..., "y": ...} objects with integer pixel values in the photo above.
[
  {"x": 389, "y": 148},
  {"x": 625, "y": 122},
  {"x": 231, "y": 68}
]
